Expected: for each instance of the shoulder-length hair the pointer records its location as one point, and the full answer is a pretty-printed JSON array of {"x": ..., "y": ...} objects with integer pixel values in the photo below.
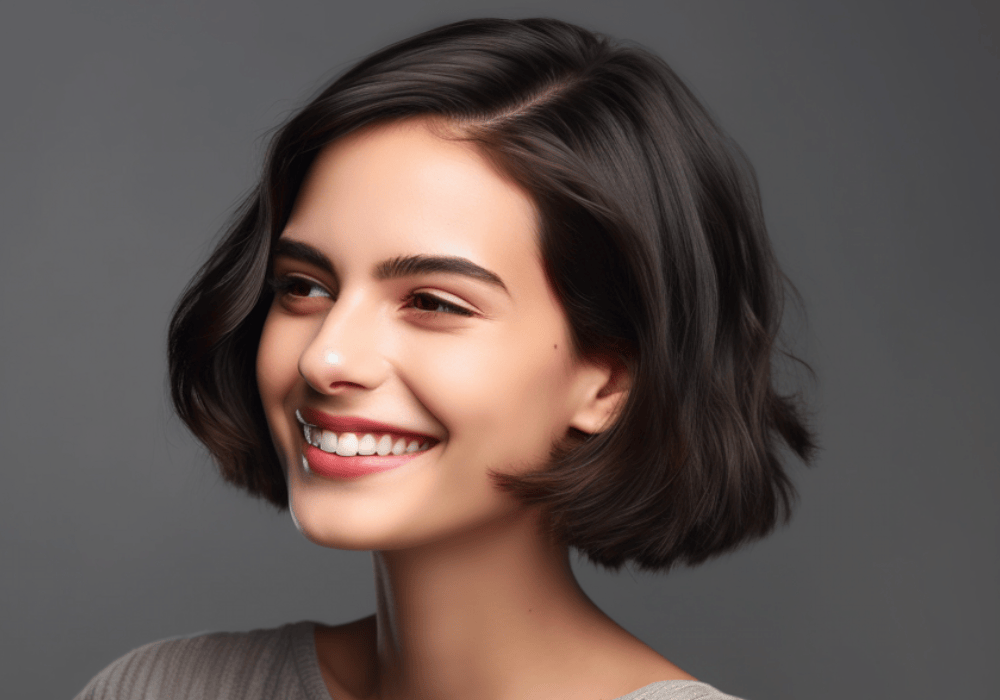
[{"x": 653, "y": 238}]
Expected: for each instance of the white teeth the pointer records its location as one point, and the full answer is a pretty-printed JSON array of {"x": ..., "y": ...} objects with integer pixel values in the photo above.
[
  {"x": 305, "y": 464},
  {"x": 328, "y": 441},
  {"x": 347, "y": 445},
  {"x": 366, "y": 445},
  {"x": 384, "y": 445},
  {"x": 298, "y": 416}
]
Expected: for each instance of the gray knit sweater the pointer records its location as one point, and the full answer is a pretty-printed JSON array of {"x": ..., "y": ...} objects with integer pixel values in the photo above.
[{"x": 269, "y": 664}]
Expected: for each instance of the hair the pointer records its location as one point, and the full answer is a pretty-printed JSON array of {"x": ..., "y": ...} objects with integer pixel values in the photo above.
[{"x": 652, "y": 236}]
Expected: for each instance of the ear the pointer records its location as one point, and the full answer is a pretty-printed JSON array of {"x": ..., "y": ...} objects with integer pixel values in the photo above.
[{"x": 604, "y": 386}]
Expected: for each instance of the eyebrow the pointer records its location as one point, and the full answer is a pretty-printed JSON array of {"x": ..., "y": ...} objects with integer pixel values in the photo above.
[
  {"x": 303, "y": 252},
  {"x": 407, "y": 265},
  {"x": 402, "y": 266}
]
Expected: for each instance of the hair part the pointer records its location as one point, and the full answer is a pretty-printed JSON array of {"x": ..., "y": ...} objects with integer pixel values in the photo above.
[{"x": 652, "y": 235}]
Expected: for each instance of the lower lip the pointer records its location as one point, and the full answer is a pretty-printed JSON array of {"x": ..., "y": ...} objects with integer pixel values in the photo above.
[{"x": 333, "y": 466}]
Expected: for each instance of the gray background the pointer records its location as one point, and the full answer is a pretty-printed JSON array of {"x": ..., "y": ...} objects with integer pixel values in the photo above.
[{"x": 129, "y": 130}]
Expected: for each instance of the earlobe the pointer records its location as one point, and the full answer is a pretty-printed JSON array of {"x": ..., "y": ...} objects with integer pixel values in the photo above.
[{"x": 606, "y": 384}]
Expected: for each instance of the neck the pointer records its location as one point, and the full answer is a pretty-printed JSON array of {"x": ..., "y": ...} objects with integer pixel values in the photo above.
[{"x": 479, "y": 616}]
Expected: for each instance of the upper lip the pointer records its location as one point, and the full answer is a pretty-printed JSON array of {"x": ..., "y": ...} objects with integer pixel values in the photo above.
[{"x": 355, "y": 424}]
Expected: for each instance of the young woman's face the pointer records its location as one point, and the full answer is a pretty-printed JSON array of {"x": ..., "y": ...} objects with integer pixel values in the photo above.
[{"x": 412, "y": 313}]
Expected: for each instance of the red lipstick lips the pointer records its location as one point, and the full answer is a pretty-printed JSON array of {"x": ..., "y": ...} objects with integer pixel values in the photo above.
[{"x": 335, "y": 466}]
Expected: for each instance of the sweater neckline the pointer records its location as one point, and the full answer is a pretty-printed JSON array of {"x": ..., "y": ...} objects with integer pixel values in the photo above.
[{"x": 303, "y": 642}]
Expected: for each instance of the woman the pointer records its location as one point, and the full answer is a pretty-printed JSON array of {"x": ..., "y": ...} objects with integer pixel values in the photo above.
[{"x": 504, "y": 289}]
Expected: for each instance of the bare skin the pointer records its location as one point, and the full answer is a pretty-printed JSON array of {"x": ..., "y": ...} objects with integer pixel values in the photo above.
[
  {"x": 496, "y": 614},
  {"x": 474, "y": 600}
]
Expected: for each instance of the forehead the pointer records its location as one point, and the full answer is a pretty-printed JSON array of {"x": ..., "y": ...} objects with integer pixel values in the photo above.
[{"x": 403, "y": 188}]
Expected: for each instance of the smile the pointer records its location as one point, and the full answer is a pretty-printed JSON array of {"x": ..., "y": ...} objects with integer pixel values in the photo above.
[{"x": 359, "y": 442}]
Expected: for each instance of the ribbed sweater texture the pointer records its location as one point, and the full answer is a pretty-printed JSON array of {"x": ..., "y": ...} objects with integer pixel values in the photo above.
[{"x": 266, "y": 664}]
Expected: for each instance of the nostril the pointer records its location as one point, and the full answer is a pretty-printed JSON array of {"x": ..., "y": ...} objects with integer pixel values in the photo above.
[{"x": 346, "y": 385}]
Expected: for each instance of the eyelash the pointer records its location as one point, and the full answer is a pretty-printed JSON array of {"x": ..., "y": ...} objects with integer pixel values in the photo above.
[
  {"x": 441, "y": 306},
  {"x": 283, "y": 286}
]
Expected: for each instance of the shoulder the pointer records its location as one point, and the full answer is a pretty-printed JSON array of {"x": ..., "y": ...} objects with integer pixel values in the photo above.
[
  {"x": 221, "y": 665},
  {"x": 678, "y": 690}
]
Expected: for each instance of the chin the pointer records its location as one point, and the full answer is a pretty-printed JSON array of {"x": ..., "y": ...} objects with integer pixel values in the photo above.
[
  {"x": 331, "y": 517},
  {"x": 339, "y": 520}
]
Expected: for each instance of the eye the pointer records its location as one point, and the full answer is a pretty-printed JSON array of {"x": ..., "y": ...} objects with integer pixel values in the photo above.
[
  {"x": 426, "y": 302},
  {"x": 297, "y": 287}
]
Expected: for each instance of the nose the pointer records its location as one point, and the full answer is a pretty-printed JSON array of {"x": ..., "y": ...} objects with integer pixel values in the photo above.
[{"x": 344, "y": 354}]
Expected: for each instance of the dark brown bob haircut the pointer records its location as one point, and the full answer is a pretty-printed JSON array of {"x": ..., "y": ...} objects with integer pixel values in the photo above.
[{"x": 653, "y": 238}]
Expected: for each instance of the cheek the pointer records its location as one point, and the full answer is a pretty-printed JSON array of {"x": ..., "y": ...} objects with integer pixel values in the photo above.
[
  {"x": 503, "y": 395},
  {"x": 277, "y": 362}
]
